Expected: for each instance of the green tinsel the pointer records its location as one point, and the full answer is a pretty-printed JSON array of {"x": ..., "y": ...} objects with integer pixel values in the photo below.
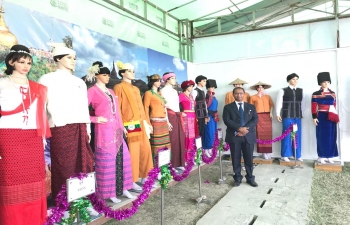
[
  {"x": 221, "y": 145},
  {"x": 198, "y": 157},
  {"x": 166, "y": 176},
  {"x": 78, "y": 206},
  {"x": 292, "y": 135}
]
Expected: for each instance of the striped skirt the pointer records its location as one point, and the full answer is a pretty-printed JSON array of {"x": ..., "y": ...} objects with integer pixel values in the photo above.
[
  {"x": 160, "y": 136},
  {"x": 264, "y": 132}
]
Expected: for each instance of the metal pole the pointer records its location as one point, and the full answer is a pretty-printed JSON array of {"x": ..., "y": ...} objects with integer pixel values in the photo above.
[
  {"x": 220, "y": 165},
  {"x": 199, "y": 181},
  {"x": 78, "y": 217},
  {"x": 162, "y": 205},
  {"x": 295, "y": 156}
]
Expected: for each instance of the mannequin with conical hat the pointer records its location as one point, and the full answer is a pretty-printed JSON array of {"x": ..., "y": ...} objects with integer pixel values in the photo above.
[
  {"x": 325, "y": 117},
  {"x": 264, "y": 105},
  {"x": 290, "y": 105},
  {"x": 229, "y": 98},
  {"x": 211, "y": 126},
  {"x": 23, "y": 129},
  {"x": 69, "y": 119},
  {"x": 135, "y": 122}
]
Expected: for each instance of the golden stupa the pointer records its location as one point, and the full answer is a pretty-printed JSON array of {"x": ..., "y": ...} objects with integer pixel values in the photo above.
[{"x": 7, "y": 39}]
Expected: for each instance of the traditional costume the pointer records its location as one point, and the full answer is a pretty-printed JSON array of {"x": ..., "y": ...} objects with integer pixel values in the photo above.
[
  {"x": 263, "y": 105},
  {"x": 177, "y": 134},
  {"x": 187, "y": 105},
  {"x": 134, "y": 119},
  {"x": 229, "y": 98},
  {"x": 211, "y": 126},
  {"x": 69, "y": 121},
  {"x": 201, "y": 105},
  {"x": 323, "y": 109},
  {"x": 23, "y": 129},
  {"x": 155, "y": 112},
  {"x": 290, "y": 104},
  {"x": 108, "y": 138}
]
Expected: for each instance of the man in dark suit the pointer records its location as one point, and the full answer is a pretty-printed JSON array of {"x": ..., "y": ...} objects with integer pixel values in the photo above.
[{"x": 241, "y": 119}]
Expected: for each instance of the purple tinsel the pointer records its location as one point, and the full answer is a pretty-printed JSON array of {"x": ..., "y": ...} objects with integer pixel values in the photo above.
[
  {"x": 216, "y": 144},
  {"x": 283, "y": 136},
  {"x": 188, "y": 167}
]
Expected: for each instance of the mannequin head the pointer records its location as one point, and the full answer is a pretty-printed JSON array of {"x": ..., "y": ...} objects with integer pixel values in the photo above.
[
  {"x": 65, "y": 57},
  {"x": 211, "y": 85},
  {"x": 126, "y": 71},
  {"x": 201, "y": 81},
  {"x": 187, "y": 86},
  {"x": 18, "y": 61},
  {"x": 153, "y": 82},
  {"x": 260, "y": 88},
  {"x": 169, "y": 78},
  {"x": 238, "y": 85},
  {"x": 99, "y": 72},
  {"x": 292, "y": 79},
  {"x": 325, "y": 84},
  {"x": 324, "y": 79}
]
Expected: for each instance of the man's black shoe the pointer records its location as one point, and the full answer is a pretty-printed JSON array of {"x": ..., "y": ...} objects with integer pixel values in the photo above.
[
  {"x": 252, "y": 183},
  {"x": 236, "y": 183}
]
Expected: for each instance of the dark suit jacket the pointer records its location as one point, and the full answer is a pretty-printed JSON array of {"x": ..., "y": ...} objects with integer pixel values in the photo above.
[{"x": 232, "y": 121}]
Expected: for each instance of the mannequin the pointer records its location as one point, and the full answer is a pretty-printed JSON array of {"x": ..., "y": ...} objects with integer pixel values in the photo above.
[
  {"x": 135, "y": 121},
  {"x": 23, "y": 129},
  {"x": 290, "y": 105},
  {"x": 177, "y": 134},
  {"x": 155, "y": 112},
  {"x": 201, "y": 106},
  {"x": 264, "y": 105},
  {"x": 211, "y": 126},
  {"x": 69, "y": 120},
  {"x": 187, "y": 105},
  {"x": 325, "y": 118},
  {"x": 229, "y": 98},
  {"x": 108, "y": 134}
]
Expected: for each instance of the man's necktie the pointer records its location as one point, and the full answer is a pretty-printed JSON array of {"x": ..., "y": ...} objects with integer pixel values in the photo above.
[{"x": 241, "y": 114}]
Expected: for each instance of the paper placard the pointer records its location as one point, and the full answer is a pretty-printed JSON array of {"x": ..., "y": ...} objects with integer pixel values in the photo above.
[
  {"x": 163, "y": 158},
  {"x": 198, "y": 142},
  {"x": 80, "y": 188},
  {"x": 220, "y": 134},
  {"x": 295, "y": 127}
]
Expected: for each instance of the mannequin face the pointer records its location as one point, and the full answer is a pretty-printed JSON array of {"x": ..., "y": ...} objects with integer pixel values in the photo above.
[
  {"x": 189, "y": 88},
  {"x": 22, "y": 66},
  {"x": 67, "y": 62},
  {"x": 171, "y": 80},
  {"x": 325, "y": 84},
  {"x": 293, "y": 81},
  {"x": 156, "y": 84},
  {"x": 238, "y": 85},
  {"x": 211, "y": 89},
  {"x": 260, "y": 88},
  {"x": 129, "y": 74},
  {"x": 202, "y": 83},
  {"x": 103, "y": 78}
]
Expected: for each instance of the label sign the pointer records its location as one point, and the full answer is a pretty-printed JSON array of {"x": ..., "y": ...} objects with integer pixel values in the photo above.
[
  {"x": 295, "y": 127},
  {"x": 220, "y": 134},
  {"x": 198, "y": 142},
  {"x": 80, "y": 188},
  {"x": 163, "y": 158}
]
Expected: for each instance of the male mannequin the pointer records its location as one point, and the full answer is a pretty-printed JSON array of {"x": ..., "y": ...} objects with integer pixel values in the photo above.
[
  {"x": 325, "y": 118},
  {"x": 177, "y": 134},
  {"x": 134, "y": 119},
  {"x": 201, "y": 106},
  {"x": 290, "y": 103},
  {"x": 229, "y": 98}
]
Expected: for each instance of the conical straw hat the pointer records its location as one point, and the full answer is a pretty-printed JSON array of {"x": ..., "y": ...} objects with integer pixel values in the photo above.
[
  {"x": 238, "y": 81},
  {"x": 266, "y": 86}
]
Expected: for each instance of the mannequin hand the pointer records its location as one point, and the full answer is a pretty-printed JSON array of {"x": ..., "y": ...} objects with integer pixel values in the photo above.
[
  {"x": 271, "y": 116},
  {"x": 184, "y": 115},
  {"x": 316, "y": 122},
  {"x": 125, "y": 132},
  {"x": 101, "y": 119},
  {"x": 279, "y": 119},
  {"x": 89, "y": 135},
  {"x": 207, "y": 119},
  {"x": 170, "y": 126}
]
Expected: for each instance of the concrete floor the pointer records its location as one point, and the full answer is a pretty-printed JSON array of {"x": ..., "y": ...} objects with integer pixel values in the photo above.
[{"x": 282, "y": 198}]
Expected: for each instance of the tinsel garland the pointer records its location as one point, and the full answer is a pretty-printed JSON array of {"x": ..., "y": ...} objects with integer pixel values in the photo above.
[
  {"x": 164, "y": 171},
  {"x": 78, "y": 206},
  {"x": 198, "y": 158},
  {"x": 279, "y": 138},
  {"x": 188, "y": 167},
  {"x": 294, "y": 135}
]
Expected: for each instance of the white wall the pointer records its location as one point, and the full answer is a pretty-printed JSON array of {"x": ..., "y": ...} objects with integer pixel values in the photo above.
[{"x": 274, "y": 70}]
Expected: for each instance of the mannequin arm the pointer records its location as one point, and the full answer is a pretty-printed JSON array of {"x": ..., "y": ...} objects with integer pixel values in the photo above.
[{"x": 146, "y": 104}]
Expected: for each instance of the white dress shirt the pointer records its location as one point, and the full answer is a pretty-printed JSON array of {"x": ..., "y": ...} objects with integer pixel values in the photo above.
[
  {"x": 279, "y": 101},
  {"x": 10, "y": 99},
  {"x": 67, "y": 101},
  {"x": 171, "y": 97},
  {"x": 237, "y": 103}
]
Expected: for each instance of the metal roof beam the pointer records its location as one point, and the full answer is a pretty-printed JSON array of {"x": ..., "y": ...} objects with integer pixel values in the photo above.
[
  {"x": 316, "y": 10},
  {"x": 177, "y": 7}
]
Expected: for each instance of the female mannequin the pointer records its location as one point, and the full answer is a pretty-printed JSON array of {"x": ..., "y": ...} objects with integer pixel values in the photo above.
[
  {"x": 229, "y": 98},
  {"x": 211, "y": 126},
  {"x": 155, "y": 112},
  {"x": 177, "y": 133},
  {"x": 108, "y": 134},
  {"x": 134, "y": 119},
  {"x": 264, "y": 105},
  {"x": 187, "y": 105},
  {"x": 325, "y": 118},
  {"x": 68, "y": 118},
  {"x": 23, "y": 129}
]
